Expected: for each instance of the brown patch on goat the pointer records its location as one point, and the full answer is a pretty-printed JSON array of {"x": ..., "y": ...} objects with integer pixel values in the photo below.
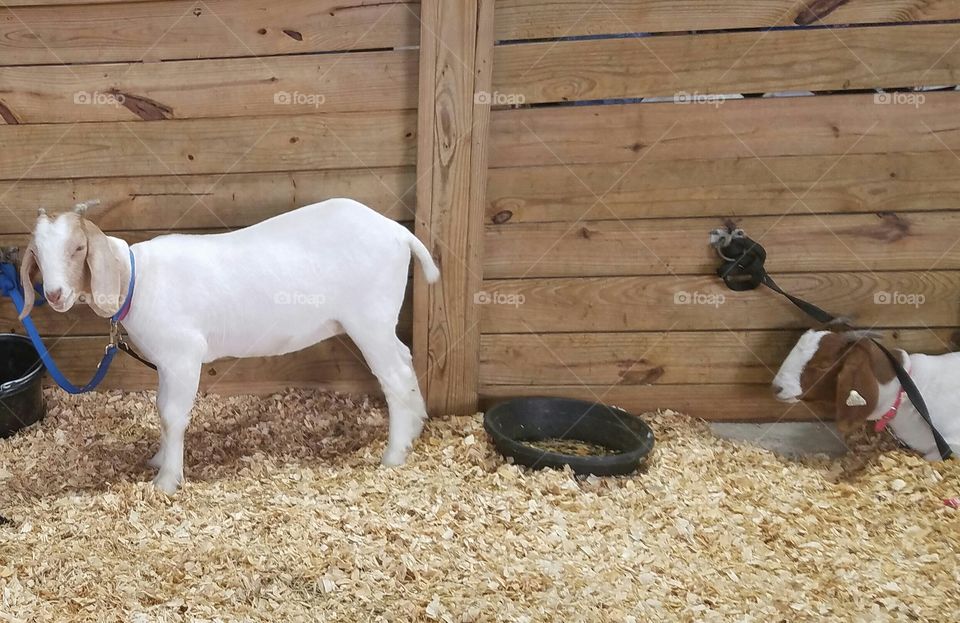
[{"x": 840, "y": 366}]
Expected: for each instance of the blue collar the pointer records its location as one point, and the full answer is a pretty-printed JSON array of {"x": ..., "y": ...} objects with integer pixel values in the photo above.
[{"x": 125, "y": 308}]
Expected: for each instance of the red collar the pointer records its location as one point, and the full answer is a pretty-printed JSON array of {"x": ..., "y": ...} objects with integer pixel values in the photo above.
[{"x": 881, "y": 424}]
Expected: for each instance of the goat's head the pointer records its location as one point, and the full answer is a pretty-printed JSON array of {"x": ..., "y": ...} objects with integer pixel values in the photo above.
[
  {"x": 75, "y": 261},
  {"x": 839, "y": 370}
]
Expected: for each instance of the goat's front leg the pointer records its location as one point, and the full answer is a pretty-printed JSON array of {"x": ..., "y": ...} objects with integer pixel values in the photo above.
[
  {"x": 175, "y": 398},
  {"x": 157, "y": 460}
]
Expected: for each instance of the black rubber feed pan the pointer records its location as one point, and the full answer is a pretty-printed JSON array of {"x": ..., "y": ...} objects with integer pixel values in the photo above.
[
  {"x": 21, "y": 396},
  {"x": 514, "y": 422}
]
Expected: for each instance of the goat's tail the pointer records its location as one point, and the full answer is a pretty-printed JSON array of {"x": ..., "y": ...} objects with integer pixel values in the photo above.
[{"x": 430, "y": 271}]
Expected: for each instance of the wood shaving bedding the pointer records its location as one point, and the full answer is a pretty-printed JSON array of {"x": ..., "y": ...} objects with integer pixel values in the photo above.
[{"x": 287, "y": 516}]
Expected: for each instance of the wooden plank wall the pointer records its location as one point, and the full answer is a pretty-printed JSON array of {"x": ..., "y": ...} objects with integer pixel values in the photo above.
[
  {"x": 183, "y": 116},
  {"x": 598, "y": 280}
]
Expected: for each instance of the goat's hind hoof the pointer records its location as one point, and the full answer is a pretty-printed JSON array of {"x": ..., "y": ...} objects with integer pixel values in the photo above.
[
  {"x": 167, "y": 484},
  {"x": 393, "y": 458}
]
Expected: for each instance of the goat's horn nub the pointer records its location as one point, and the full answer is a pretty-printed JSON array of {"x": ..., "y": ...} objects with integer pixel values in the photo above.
[
  {"x": 81, "y": 208},
  {"x": 855, "y": 399}
]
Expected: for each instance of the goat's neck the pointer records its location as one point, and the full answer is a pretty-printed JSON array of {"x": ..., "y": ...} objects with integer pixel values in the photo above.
[
  {"x": 889, "y": 391},
  {"x": 908, "y": 425},
  {"x": 122, "y": 249}
]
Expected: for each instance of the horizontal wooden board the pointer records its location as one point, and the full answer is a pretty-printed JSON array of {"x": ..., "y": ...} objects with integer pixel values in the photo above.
[
  {"x": 23, "y": 3},
  {"x": 81, "y": 321},
  {"x": 334, "y": 364},
  {"x": 718, "y": 403},
  {"x": 290, "y": 85},
  {"x": 666, "y": 357},
  {"x": 534, "y": 19},
  {"x": 742, "y": 62},
  {"x": 205, "y": 201},
  {"x": 804, "y": 243},
  {"x": 701, "y": 303},
  {"x": 198, "y": 146},
  {"x": 730, "y": 187},
  {"x": 130, "y": 235},
  {"x": 834, "y": 125},
  {"x": 179, "y": 29}
]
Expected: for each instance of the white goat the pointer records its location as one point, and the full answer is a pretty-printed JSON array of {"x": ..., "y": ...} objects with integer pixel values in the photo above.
[
  {"x": 846, "y": 372},
  {"x": 272, "y": 288}
]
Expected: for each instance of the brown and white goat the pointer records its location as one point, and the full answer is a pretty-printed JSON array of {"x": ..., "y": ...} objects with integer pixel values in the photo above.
[{"x": 846, "y": 373}]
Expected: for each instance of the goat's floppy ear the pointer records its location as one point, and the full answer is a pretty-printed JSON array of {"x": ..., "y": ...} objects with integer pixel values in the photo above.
[
  {"x": 105, "y": 271},
  {"x": 858, "y": 389},
  {"x": 28, "y": 268}
]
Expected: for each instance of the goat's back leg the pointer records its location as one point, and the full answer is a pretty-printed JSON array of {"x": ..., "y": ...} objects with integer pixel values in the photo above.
[
  {"x": 390, "y": 361},
  {"x": 175, "y": 397}
]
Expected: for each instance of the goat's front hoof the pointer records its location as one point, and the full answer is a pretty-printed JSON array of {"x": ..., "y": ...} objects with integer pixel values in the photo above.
[
  {"x": 168, "y": 483},
  {"x": 393, "y": 457}
]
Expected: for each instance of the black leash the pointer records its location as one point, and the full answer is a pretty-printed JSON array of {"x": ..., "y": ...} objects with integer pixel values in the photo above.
[
  {"x": 117, "y": 339},
  {"x": 742, "y": 269},
  {"x": 125, "y": 347}
]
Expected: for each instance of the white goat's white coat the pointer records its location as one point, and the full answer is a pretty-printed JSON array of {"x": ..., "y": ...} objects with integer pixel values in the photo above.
[
  {"x": 938, "y": 379},
  {"x": 272, "y": 288},
  {"x": 936, "y": 376}
]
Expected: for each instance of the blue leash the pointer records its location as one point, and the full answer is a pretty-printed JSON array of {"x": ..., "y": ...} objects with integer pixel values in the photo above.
[{"x": 10, "y": 286}]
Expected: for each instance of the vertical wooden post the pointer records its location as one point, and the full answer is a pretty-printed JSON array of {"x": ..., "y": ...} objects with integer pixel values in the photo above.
[{"x": 456, "y": 53}]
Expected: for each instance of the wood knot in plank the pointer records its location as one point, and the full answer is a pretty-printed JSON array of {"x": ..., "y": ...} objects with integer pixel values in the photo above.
[{"x": 815, "y": 10}]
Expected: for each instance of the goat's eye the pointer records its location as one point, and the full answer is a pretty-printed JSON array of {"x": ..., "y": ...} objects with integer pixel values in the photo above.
[{"x": 78, "y": 249}]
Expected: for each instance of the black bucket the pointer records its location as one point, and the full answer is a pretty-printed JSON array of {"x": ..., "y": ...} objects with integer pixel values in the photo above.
[
  {"x": 21, "y": 395},
  {"x": 514, "y": 423}
]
